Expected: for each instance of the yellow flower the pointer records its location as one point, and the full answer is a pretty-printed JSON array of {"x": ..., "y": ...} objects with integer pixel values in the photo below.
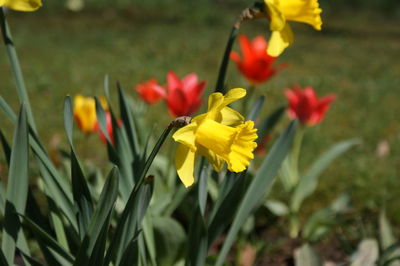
[
  {"x": 21, "y": 5},
  {"x": 221, "y": 135},
  {"x": 85, "y": 112},
  {"x": 280, "y": 11}
]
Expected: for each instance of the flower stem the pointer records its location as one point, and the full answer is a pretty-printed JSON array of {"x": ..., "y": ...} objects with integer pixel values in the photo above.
[
  {"x": 16, "y": 68},
  {"x": 248, "y": 99},
  {"x": 219, "y": 87},
  {"x": 294, "y": 155}
]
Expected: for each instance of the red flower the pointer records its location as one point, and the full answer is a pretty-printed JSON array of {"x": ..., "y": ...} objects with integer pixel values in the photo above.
[
  {"x": 109, "y": 129},
  {"x": 304, "y": 105},
  {"x": 256, "y": 64},
  {"x": 184, "y": 95},
  {"x": 150, "y": 91}
]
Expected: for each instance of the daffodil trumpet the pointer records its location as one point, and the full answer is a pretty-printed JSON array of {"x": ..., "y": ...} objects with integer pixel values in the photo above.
[{"x": 221, "y": 135}]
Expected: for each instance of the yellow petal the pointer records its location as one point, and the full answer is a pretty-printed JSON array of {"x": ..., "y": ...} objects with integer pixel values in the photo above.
[
  {"x": 306, "y": 11},
  {"x": 186, "y": 135},
  {"x": 234, "y": 95},
  {"x": 231, "y": 117},
  {"x": 242, "y": 147},
  {"x": 216, "y": 161},
  {"x": 279, "y": 41},
  {"x": 277, "y": 19},
  {"x": 184, "y": 162},
  {"x": 215, "y": 100},
  {"x": 22, "y": 5}
]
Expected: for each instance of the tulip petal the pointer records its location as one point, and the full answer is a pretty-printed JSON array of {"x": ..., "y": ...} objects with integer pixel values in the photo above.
[
  {"x": 189, "y": 82},
  {"x": 246, "y": 47},
  {"x": 279, "y": 41},
  {"x": 184, "y": 162},
  {"x": 173, "y": 82}
]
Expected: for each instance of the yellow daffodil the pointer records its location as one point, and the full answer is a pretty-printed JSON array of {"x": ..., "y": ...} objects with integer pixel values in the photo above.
[
  {"x": 85, "y": 112},
  {"x": 221, "y": 135},
  {"x": 21, "y": 5},
  {"x": 280, "y": 11}
]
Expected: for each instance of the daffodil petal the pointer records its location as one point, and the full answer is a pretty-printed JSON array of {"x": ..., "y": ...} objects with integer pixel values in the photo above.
[
  {"x": 279, "y": 41},
  {"x": 277, "y": 19},
  {"x": 184, "y": 162},
  {"x": 22, "y": 5},
  {"x": 216, "y": 161},
  {"x": 215, "y": 100},
  {"x": 186, "y": 135},
  {"x": 231, "y": 117},
  {"x": 233, "y": 95}
]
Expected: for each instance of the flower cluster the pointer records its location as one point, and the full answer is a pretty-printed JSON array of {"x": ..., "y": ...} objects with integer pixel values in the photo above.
[{"x": 183, "y": 97}]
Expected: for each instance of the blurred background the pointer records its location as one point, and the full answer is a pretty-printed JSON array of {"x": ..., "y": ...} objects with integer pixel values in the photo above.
[{"x": 67, "y": 47}]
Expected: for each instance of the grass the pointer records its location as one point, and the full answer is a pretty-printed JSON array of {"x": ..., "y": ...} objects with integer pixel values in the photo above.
[{"x": 355, "y": 57}]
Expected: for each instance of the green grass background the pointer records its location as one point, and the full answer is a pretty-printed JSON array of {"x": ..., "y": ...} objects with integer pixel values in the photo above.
[{"x": 356, "y": 56}]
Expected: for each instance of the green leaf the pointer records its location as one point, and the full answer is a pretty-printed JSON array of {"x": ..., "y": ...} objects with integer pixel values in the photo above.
[
  {"x": 100, "y": 218},
  {"x": 306, "y": 256},
  {"x": 255, "y": 111},
  {"x": 202, "y": 187},
  {"x": 56, "y": 186},
  {"x": 6, "y": 147},
  {"x": 114, "y": 248},
  {"x": 17, "y": 188},
  {"x": 309, "y": 181},
  {"x": 45, "y": 239},
  {"x": 233, "y": 189},
  {"x": 16, "y": 69},
  {"x": 7, "y": 110},
  {"x": 387, "y": 239},
  {"x": 171, "y": 239},
  {"x": 68, "y": 118},
  {"x": 126, "y": 116},
  {"x": 268, "y": 123},
  {"x": 323, "y": 220},
  {"x": 367, "y": 253},
  {"x": 80, "y": 190},
  {"x": 277, "y": 207},
  {"x": 259, "y": 186},
  {"x": 197, "y": 249}
]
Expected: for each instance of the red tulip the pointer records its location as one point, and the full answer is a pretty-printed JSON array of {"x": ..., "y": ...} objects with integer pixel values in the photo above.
[
  {"x": 150, "y": 91},
  {"x": 256, "y": 64},
  {"x": 304, "y": 105},
  {"x": 109, "y": 129},
  {"x": 184, "y": 95}
]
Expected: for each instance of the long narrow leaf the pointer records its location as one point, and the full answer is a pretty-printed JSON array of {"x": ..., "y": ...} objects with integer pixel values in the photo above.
[
  {"x": 47, "y": 240},
  {"x": 259, "y": 186},
  {"x": 80, "y": 189},
  {"x": 100, "y": 218},
  {"x": 128, "y": 210},
  {"x": 17, "y": 187},
  {"x": 309, "y": 181}
]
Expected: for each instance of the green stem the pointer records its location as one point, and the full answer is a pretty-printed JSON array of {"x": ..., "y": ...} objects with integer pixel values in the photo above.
[
  {"x": 248, "y": 99},
  {"x": 219, "y": 87},
  {"x": 16, "y": 68},
  {"x": 294, "y": 156}
]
